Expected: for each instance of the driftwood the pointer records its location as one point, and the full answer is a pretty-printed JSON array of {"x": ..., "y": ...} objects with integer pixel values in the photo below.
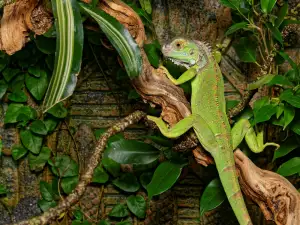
[{"x": 278, "y": 199}]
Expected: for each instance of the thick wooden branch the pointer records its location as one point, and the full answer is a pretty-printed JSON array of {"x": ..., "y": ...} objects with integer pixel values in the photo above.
[{"x": 278, "y": 199}]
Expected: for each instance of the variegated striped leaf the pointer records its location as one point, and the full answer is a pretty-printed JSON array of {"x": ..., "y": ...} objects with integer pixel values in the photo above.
[
  {"x": 69, "y": 45},
  {"x": 120, "y": 38}
]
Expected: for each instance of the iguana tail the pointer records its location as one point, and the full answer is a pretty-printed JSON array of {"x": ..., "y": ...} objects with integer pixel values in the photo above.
[{"x": 227, "y": 172}]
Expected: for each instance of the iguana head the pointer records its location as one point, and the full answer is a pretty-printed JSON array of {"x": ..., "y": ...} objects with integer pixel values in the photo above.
[{"x": 186, "y": 52}]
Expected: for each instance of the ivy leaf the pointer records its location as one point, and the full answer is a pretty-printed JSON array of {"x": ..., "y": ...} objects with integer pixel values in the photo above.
[
  {"x": 137, "y": 205},
  {"x": 10, "y": 73},
  {"x": 119, "y": 211},
  {"x": 212, "y": 197},
  {"x": 18, "y": 152},
  {"x": 146, "y": 178},
  {"x": 3, "y": 88},
  {"x": 38, "y": 127},
  {"x": 18, "y": 96},
  {"x": 165, "y": 176},
  {"x": 17, "y": 83},
  {"x": 111, "y": 166},
  {"x": 246, "y": 50},
  {"x": 290, "y": 97},
  {"x": 45, "y": 205},
  {"x": 50, "y": 124},
  {"x": 132, "y": 152},
  {"x": 100, "y": 176},
  {"x": 46, "y": 191},
  {"x": 280, "y": 109},
  {"x": 236, "y": 27},
  {"x": 37, "y": 162},
  {"x": 58, "y": 111},
  {"x": 146, "y": 5},
  {"x": 37, "y": 71},
  {"x": 289, "y": 114},
  {"x": 45, "y": 45},
  {"x": 64, "y": 166},
  {"x": 12, "y": 113},
  {"x": 296, "y": 127},
  {"x": 286, "y": 147},
  {"x": 69, "y": 183},
  {"x": 31, "y": 141},
  {"x": 37, "y": 86},
  {"x": 160, "y": 140},
  {"x": 234, "y": 4},
  {"x": 127, "y": 182},
  {"x": 290, "y": 167},
  {"x": 267, "y": 5}
]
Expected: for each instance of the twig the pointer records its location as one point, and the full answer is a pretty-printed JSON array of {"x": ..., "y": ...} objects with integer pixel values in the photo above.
[{"x": 85, "y": 179}]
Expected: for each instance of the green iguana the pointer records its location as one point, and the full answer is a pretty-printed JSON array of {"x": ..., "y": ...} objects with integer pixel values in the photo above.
[{"x": 208, "y": 118}]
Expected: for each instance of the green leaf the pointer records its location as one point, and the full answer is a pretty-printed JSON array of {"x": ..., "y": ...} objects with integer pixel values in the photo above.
[
  {"x": 45, "y": 205},
  {"x": 3, "y": 88},
  {"x": 281, "y": 14},
  {"x": 50, "y": 124},
  {"x": 163, "y": 141},
  {"x": 37, "y": 71},
  {"x": 280, "y": 80},
  {"x": 58, "y": 111},
  {"x": 69, "y": 183},
  {"x": 146, "y": 178},
  {"x": 45, "y": 45},
  {"x": 69, "y": 38},
  {"x": 289, "y": 114},
  {"x": 127, "y": 182},
  {"x": 263, "y": 110},
  {"x": 286, "y": 147},
  {"x": 119, "y": 211},
  {"x": 212, "y": 197},
  {"x": 146, "y": 5},
  {"x": 18, "y": 152},
  {"x": 165, "y": 176},
  {"x": 290, "y": 167},
  {"x": 235, "y": 27},
  {"x": 100, "y": 176},
  {"x": 152, "y": 54},
  {"x": 280, "y": 109},
  {"x": 267, "y": 5},
  {"x": 37, "y": 162},
  {"x": 137, "y": 205},
  {"x": 287, "y": 22},
  {"x": 124, "y": 223},
  {"x": 295, "y": 127},
  {"x": 287, "y": 58},
  {"x": 46, "y": 191},
  {"x": 18, "y": 96},
  {"x": 37, "y": 86},
  {"x": 246, "y": 50},
  {"x": 111, "y": 166},
  {"x": 14, "y": 111},
  {"x": 31, "y": 141},
  {"x": 234, "y": 4},
  {"x": 10, "y": 73},
  {"x": 275, "y": 32},
  {"x": 64, "y": 166},
  {"x": 38, "y": 127},
  {"x": 120, "y": 39},
  {"x": 17, "y": 83},
  {"x": 3, "y": 190},
  {"x": 103, "y": 222},
  {"x": 132, "y": 152},
  {"x": 290, "y": 97}
]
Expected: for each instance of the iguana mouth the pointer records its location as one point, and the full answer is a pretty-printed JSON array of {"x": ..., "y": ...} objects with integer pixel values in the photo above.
[{"x": 180, "y": 63}]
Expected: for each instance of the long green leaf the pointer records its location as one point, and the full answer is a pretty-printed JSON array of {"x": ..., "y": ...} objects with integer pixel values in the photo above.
[
  {"x": 120, "y": 38},
  {"x": 69, "y": 45}
]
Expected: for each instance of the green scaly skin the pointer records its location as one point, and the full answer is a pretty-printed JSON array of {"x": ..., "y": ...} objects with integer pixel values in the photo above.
[{"x": 208, "y": 119}]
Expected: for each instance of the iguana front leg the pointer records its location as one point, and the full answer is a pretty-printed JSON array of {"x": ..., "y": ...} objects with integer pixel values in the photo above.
[
  {"x": 175, "y": 131},
  {"x": 186, "y": 76}
]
